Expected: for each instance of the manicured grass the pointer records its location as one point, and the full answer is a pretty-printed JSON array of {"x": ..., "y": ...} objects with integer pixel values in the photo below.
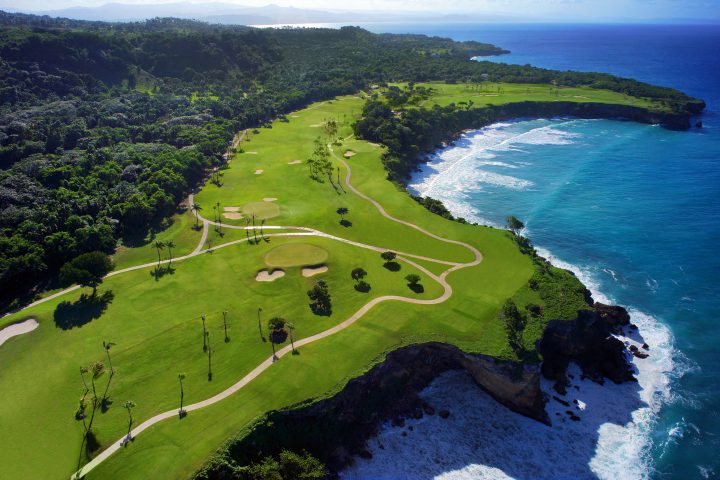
[
  {"x": 491, "y": 93},
  {"x": 156, "y": 321},
  {"x": 295, "y": 255},
  {"x": 261, "y": 210}
]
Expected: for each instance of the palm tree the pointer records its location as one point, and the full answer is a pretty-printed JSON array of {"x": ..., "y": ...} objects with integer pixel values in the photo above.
[
  {"x": 247, "y": 232},
  {"x": 107, "y": 346},
  {"x": 83, "y": 371},
  {"x": 291, "y": 328},
  {"x": 181, "y": 377},
  {"x": 259, "y": 324},
  {"x": 204, "y": 334},
  {"x": 170, "y": 245},
  {"x": 209, "y": 350},
  {"x": 254, "y": 231},
  {"x": 196, "y": 208},
  {"x": 262, "y": 234},
  {"x": 129, "y": 405},
  {"x": 159, "y": 246},
  {"x": 219, "y": 216},
  {"x": 96, "y": 369},
  {"x": 225, "y": 325}
]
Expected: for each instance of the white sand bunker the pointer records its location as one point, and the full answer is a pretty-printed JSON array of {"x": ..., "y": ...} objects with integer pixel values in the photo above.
[
  {"x": 231, "y": 209},
  {"x": 312, "y": 271},
  {"x": 259, "y": 171},
  {"x": 265, "y": 276},
  {"x": 233, "y": 215},
  {"x": 18, "y": 329},
  {"x": 269, "y": 199},
  {"x": 294, "y": 162},
  {"x": 349, "y": 154}
]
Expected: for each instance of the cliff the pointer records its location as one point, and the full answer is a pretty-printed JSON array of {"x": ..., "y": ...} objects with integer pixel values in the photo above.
[
  {"x": 678, "y": 120},
  {"x": 336, "y": 428}
]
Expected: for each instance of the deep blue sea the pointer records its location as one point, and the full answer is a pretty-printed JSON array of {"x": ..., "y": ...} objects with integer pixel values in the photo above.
[{"x": 633, "y": 209}]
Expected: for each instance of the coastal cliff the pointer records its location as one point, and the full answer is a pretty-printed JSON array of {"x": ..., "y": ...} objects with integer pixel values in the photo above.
[{"x": 336, "y": 428}]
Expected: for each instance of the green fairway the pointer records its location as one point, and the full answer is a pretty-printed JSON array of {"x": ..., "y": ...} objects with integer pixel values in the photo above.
[
  {"x": 155, "y": 320},
  {"x": 495, "y": 93}
]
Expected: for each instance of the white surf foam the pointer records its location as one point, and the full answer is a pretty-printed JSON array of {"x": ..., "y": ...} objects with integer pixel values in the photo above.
[{"x": 483, "y": 440}]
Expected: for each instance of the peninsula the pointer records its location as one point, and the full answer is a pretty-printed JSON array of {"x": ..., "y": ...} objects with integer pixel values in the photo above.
[{"x": 208, "y": 225}]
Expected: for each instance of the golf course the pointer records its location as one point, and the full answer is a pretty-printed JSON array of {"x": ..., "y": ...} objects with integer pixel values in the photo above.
[{"x": 248, "y": 249}]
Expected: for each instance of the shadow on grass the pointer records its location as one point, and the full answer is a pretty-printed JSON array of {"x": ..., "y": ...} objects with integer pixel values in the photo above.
[
  {"x": 416, "y": 287},
  {"x": 87, "y": 308},
  {"x": 346, "y": 223},
  {"x": 278, "y": 336},
  {"x": 392, "y": 266},
  {"x": 159, "y": 272},
  {"x": 362, "y": 286}
]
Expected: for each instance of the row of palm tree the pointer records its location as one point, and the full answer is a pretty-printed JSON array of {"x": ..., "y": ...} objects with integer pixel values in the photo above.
[{"x": 161, "y": 246}]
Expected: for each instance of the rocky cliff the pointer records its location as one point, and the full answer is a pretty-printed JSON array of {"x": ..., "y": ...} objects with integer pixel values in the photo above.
[{"x": 336, "y": 428}]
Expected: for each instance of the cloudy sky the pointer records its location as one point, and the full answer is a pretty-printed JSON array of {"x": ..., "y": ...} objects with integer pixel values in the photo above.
[{"x": 565, "y": 10}]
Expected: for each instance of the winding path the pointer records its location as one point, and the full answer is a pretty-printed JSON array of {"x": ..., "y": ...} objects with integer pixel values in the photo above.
[{"x": 303, "y": 231}]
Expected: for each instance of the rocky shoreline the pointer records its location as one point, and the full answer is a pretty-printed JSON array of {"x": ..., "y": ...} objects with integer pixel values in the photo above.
[{"x": 337, "y": 428}]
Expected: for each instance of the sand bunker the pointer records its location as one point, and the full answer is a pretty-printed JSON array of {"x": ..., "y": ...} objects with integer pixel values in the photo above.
[
  {"x": 258, "y": 172},
  {"x": 317, "y": 125},
  {"x": 349, "y": 154},
  {"x": 265, "y": 276},
  {"x": 251, "y": 153},
  {"x": 312, "y": 271},
  {"x": 294, "y": 162},
  {"x": 233, "y": 215},
  {"x": 231, "y": 209},
  {"x": 17, "y": 329},
  {"x": 269, "y": 199},
  {"x": 295, "y": 116}
]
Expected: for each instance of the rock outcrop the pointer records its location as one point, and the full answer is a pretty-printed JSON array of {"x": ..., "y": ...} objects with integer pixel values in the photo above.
[{"x": 588, "y": 341}]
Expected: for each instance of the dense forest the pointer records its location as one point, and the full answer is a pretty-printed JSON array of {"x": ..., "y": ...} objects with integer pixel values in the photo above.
[{"x": 105, "y": 128}]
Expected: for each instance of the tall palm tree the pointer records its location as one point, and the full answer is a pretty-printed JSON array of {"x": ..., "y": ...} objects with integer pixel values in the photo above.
[
  {"x": 107, "y": 346},
  {"x": 204, "y": 334},
  {"x": 291, "y": 328},
  {"x": 209, "y": 352},
  {"x": 219, "y": 216},
  {"x": 181, "y": 377},
  {"x": 254, "y": 231},
  {"x": 170, "y": 245},
  {"x": 83, "y": 371},
  {"x": 159, "y": 246},
  {"x": 96, "y": 369},
  {"x": 129, "y": 405},
  {"x": 225, "y": 325},
  {"x": 196, "y": 208},
  {"x": 260, "y": 324},
  {"x": 262, "y": 234},
  {"x": 247, "y": 232}
]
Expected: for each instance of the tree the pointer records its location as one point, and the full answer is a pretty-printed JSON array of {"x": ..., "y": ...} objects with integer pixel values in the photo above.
[
  {"x": 291, "y": 328},
  {"x": 181, "y": 377},
  {"x": 129, "y": 405},
  {"x": 276, "y": 325},
  {"x": 96, "y": 370},
  {"x": 159, "y": 246},
  {"x": 205, "y": 347},
  {"x": 170, "y": 245},
  {"x": 227, "y": 339},
  {"x": 514, "y": 225},
  {"x": 106, "y": 347},
  {"x": 413, "y": 279},
  {"x": 209, "y": 352},
  {"x": 320, "y": 301},
  {"x": 342, "y": 211},
  {"x": 196, "y": 208},
  {"x": 87, "y": 269},
  {"x": 319, "y": 162},
  {"x": 259, "y": 311},
  {"x": 331, "y": 128},
  {"x": 358, "y": 274},
  {"x": 388, "y": 256},
  {"x": 514, "y": 323}
]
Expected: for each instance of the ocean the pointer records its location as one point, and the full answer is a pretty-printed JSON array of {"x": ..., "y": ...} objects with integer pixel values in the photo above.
[{"x": 634, "y": 210}]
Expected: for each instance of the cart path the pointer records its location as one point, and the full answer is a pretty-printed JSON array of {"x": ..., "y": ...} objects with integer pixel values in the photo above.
[{"x": 305, "y": 231}]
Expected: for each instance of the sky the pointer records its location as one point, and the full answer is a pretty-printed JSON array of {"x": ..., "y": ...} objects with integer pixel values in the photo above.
[{"x": 563, "y": 10}]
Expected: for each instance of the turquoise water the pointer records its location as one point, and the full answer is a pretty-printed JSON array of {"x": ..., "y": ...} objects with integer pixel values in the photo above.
[{"x": 634, "y": 209}]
